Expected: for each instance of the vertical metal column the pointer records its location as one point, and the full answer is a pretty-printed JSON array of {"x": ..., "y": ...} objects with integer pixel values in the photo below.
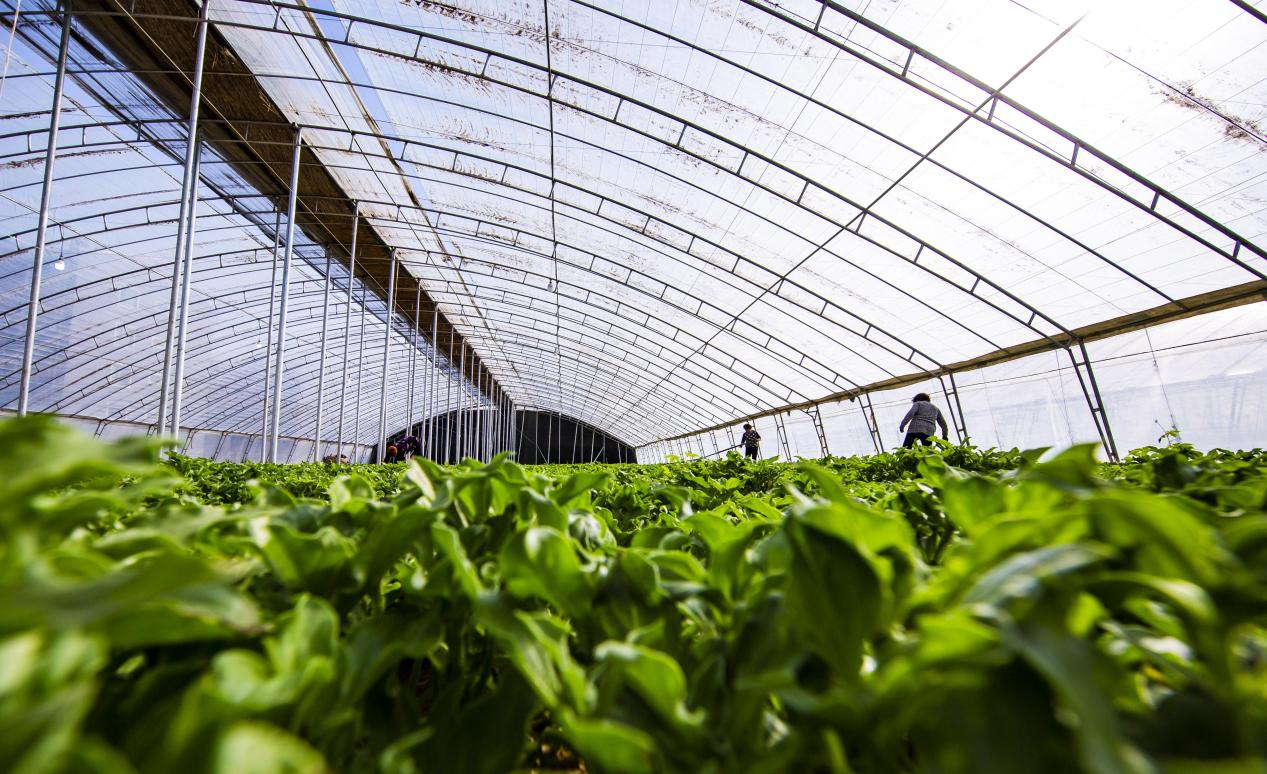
[
  {"x": 268, "y": 346},
  {"x": 186, "y": 193},
  {"x": 868, "y": 414},
  {"x": 387, "y": 356},
  {"x": 187, "y": 272},
  {"x": 461, "y": 424},
  {"x": 493, "y": 417},
  {"x": 778, "y": 418},
  {"x": 954, "y": 407},
  {"x": 279, "y": 372},
  {"x": 360, "y": 369},
  {"x": 321, "y": 375},
  {"x": 448, "y": 400},
  {"x": 549, "y": 435},
  {"x": 477, "y": 424},
  {"x": 477, "y": 450},
  {"x": 413, "y": 363},
  {"x": 434, "y": 379},
  {"x": 1091, "y": 391},
  {"x": 818, "y": 429},
  {"x": 41, "y": 229},
  {"x": 486, "y": 451},
  {"x": 490, "y": 420},
  {"x": 347, "y": 329}
]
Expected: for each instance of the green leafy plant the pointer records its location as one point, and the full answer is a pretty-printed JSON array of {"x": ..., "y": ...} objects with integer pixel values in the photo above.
[{"x": 929, "y": 610}]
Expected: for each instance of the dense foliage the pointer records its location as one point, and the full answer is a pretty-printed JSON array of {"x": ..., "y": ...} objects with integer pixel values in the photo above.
[{"x": 943, "y": 610}]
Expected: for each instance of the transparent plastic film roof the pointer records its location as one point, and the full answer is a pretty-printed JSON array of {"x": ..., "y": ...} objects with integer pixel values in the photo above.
[{"x": 658, "y": 218}]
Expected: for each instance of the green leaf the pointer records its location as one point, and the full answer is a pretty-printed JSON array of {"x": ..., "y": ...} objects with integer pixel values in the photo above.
[
  {"x": 542, "y": 562},
  {"x": 259, "y": 748},
  {"x": 1023, "y": 575},
  {"x": 350, "y": 494},
  {"x": 609, "y": 745}
]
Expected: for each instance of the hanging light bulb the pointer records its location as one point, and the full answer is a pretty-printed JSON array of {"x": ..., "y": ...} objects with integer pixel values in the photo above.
[{"x": 60, "y": 263}]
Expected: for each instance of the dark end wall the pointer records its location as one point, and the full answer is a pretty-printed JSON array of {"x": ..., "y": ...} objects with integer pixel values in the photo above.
[{"x": 542, "y": 438}]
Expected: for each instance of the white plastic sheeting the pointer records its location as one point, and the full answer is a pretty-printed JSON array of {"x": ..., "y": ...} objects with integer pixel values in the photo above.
[
  {"x": 657, "y": 217},
  {"x": 1204, "y": 376}
]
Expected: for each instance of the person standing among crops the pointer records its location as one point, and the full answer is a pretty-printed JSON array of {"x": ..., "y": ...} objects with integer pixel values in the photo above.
[
  {"x": 750, "y": 441},
  {"x": 921, "y": 418},
  {"x": 408, "y": 446}
]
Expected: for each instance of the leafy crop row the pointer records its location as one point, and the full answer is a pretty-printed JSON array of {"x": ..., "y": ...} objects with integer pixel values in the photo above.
[{"x": 895, "y": 614}]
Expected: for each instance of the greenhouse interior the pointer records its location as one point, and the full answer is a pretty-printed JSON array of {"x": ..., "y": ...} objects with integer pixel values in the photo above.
[{"x": 274, "y": 244}]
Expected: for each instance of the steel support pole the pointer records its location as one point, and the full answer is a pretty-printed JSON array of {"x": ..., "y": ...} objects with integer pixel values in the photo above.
[
  {"x": 360, "y": 368},
  {"x": 449, "y": 438},
  {"x": 280, "y": 371},
  {"x": 41, "y": 230},
  {"x": 187, "y": 272},
  {"x": 433, "y": 379},
  {"x": 387, "y": 358},
  {"x": 186, "y": 195},
  {"x": 486, "y": 411},
  {"x": 347, "y": 330},
  {"x": 472, "y": 437},
  {"x": 413, "y": 363},
  {"x": 954, "y": 407},
  {"x": 511, "y": 445},
  {"x": 461, "y": 406},
  {"x": 321, "y": 367},
  {"x": 819, "y": 430},
  {"x": 478, "y": 416},
  {"x": 469, "y": 415},
  {"x": 1091, "y": 391},
  {"x": 868, "y": 415},
  {"x": 268, "y": 346}
]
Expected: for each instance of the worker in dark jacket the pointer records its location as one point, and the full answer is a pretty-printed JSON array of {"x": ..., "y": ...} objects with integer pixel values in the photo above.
[
  {"x": 921, "y": 418},
  {"x": 750, "y": 441}
]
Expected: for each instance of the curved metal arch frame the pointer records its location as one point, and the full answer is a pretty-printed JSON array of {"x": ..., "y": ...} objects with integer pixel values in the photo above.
[
  {"x": 587, "y": 269},
  {"x": 1035, "y": 313},
  {"x": 971, "y": 291},
  {"x": 650, "y": 363},
  {"x": 231, "y": 199},
  {"x": 810, "y": 99},
  {"x": 827, "y": 303},
  {"x": 244, "y": 307},
  {"x": 239, "y": 213},
  {"x": 591, "y": 292},
  {"x": 498, "y": 55},
  {"x": 245, "y": 268},
  {"x": 235, "y": 267},
  {"x": 914, "y": 261},
  {"x": 536, "y": 377},
  {"x": 978, "y": 278},
  {"x": 626, "y": 354},
  {"x": 237, "y": 291},
  {"x": 308, "y": 411},
  {"x": 1079, "y": 145},
  {"x": 304, "y": 360},
  {"x": 488, "y": 53}
]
